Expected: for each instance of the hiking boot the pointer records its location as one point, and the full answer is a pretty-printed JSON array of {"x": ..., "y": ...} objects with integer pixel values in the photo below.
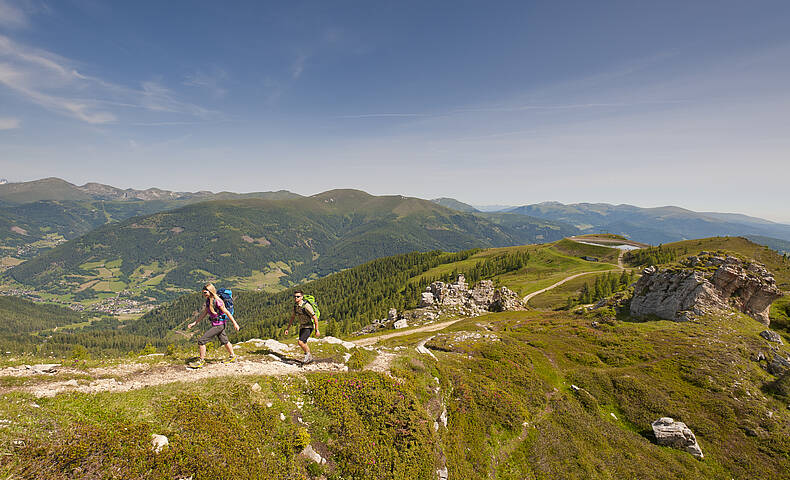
[
  {"x": 199, "y": 364},
  {"x": 308, "y": 358},
  {"x": 230, "y": 359}
]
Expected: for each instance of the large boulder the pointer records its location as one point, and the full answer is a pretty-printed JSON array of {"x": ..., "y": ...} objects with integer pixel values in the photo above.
[
  {"x": 426, "y": 299},
  {"x": 704, "y": 284},
  {"x": 482, "y": 293},
  {"x": 674, "y": 434},
  {"x": 506, "y": 299}
]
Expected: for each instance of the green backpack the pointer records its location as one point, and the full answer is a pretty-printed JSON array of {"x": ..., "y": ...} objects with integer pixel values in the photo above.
[{"x": 311, "y": 300}]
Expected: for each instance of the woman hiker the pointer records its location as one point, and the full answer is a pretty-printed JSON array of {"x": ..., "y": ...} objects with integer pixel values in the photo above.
[
  {"x": 219, "y": 315},
  {"x": 303, "y": 311}
]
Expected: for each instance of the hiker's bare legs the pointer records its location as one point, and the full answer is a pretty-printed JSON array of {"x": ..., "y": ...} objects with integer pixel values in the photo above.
[
  {"x": 202, "y": 351},
  {"x": 304, "y": 346},
  {"x": 229, "y": 348}
]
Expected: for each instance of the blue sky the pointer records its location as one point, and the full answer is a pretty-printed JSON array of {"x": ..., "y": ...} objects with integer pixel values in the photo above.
[{"x": 640, "y": 102}]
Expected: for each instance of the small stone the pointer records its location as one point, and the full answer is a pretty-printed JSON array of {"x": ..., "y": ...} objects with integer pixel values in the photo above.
[
  {"x": 159, "y": 442},
  {"x": 255, "y": 387},
  {"x": 72, "y": 383},
  {"x": 311, "y": 454},
  {"x": 441, "y": 474},
  {"x": 282, "y": 417},
  {"x": 613, "y": 415}
]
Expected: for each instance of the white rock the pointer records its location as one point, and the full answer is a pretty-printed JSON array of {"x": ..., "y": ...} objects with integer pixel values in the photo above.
[
  {"x": 442, "y": 473},
  {"x": 159, "y": 442},
  {"x": 422, "y": 349},
  {"x": 337, "y": 341},
  {"x": 674, "y": 434},
  {"x": 282, "y": 417},
  {"x": 72, "y": 383},
  {"x": 269, "y": 404},
  {"x": 255, "y": 387},
  {"x": 613, "y": 415},
  {"x": 443, "y": 417},
  {"x": 346, "y": 357},
  {"x": 311, "y": 454},
  {"x": 435, "y": 426},
  {"x": 275, "y": 346},
  {"x": 400, "y": 324}
]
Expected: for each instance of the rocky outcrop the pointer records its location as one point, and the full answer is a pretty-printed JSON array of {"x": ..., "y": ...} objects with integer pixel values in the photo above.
[
  {"x": 440, "y": 299},
  {"x": 483, "y": 297},
  {"x": 704, "y": 284},
  {"x": 670, "y": 433},
  {"x": 771, "y": 336}
]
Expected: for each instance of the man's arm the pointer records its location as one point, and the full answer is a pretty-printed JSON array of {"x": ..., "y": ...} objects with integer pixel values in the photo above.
[{"x": 290, "y": 322}]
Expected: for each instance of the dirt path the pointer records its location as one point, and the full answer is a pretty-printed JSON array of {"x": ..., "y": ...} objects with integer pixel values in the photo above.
[
  {"x": 135, "y": 376},
  {"x": 566, "y": 279},
  {"x": 366, "y": 342}
]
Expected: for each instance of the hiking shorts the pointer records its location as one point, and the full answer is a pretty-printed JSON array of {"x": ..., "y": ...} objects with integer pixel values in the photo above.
[
  {"x": 304, "y": 333},
  {"x": 215, "y": 331}
]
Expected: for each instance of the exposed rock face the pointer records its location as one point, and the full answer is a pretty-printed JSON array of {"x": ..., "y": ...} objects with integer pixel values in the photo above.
[
  {"x": 771, "y": 336},
  {"x": 674, "y": 434},
  {"x": 504, "y": 300},
  {"x": 440, "y": 298},
  {"x": 481, "y": 298},
  {"x": 677, "y": 294},
  {"x": 426, "y": 299}
]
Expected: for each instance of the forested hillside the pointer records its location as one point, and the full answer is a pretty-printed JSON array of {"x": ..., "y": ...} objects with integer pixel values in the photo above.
[
  {"x": 261, "y": 244},
  {"x": 37, "y": 216}
]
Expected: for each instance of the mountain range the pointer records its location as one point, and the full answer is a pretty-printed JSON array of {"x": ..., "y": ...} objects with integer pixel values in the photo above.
[
  {"x": 93, "y": 241},
  {"x": 648, "y": 225},
  {"x": 256, "y": 243}
]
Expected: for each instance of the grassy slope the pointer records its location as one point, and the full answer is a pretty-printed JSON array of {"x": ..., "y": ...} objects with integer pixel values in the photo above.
[
  {"x": 548, "y": 265},
  {"x": 512, "y": 413},
  {"x": 557, "y": 297}
]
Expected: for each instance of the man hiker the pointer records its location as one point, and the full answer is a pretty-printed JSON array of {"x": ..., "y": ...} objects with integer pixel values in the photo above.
[
  {"x": 218, "y": 314},
  {"x": 308, "y": 322}
]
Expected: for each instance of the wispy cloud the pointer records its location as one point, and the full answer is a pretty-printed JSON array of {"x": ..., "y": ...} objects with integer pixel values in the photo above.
[
  {"x": 53, "y": 82},
  {"x": 11, "y": 15},
  {"x": 386, "y": 115},
  {"x": 210, "y": 80},
  {"x": 298, "y": 65},
  {"x": 508, "y": 109},
  {"x": 9, "y": 123}
]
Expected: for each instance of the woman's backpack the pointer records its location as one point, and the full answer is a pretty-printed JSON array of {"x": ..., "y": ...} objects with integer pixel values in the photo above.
[{"x": 227, "y": 298}]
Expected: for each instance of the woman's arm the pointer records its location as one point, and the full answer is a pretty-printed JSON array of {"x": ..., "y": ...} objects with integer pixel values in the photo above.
[{"x": 202, "y": 315}]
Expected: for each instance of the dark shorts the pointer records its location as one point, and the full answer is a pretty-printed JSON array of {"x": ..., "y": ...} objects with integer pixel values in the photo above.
[
  {"x": 215, "y": 331},
  {"x": 304, "y": 333}
]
